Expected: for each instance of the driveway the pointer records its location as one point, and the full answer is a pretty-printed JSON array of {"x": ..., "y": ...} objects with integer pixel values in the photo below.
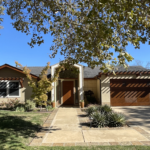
[{"x": 136, "y": 115}]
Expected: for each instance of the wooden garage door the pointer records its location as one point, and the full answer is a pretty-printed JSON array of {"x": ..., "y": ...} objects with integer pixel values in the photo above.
[{"x": 130, "y": 92}]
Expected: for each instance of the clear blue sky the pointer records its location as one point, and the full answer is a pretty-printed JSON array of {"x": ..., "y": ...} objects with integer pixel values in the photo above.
[{"x": 14, "y": 47}]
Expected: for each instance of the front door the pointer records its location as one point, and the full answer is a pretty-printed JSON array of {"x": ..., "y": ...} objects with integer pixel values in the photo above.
[{"x": 68, "y": 98}]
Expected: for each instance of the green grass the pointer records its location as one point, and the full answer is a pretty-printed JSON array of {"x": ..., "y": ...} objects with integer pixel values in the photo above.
[{"x": 18, "y": 128}]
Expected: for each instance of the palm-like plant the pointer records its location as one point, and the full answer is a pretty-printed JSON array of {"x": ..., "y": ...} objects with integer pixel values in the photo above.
[
  {"x": 106, "y": 109},
  {"x": 90, "y": 110},
  {"x": 99, "y": 120},
  {"x": 116, "y": 119}
]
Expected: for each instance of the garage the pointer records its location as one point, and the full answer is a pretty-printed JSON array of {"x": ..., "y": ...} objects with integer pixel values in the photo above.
[{"x": 130, "y": 92}]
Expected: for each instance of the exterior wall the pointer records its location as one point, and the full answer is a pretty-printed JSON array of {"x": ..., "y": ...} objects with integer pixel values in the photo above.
[
  {"x": 91, "y": 84},
  {"x": 105, "y": 85},
  {"x": 98, "y": 91},
  {"x": 26, "y": 91}
]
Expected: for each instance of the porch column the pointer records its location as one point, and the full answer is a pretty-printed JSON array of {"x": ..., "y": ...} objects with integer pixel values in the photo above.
[
  {"x": 81, "y": 92},
  {"x": 53, "y": 91}
]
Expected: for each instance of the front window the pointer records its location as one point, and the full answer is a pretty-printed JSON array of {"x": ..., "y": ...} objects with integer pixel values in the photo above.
[
  {"x": 3, "y": 89},
  {"x": 9, "y": 88}
]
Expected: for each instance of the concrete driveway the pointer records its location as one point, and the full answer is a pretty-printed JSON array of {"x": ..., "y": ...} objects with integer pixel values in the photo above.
[{"x": 136, "y": 115}]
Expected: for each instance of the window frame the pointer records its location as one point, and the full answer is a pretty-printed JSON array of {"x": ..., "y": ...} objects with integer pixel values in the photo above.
[{"x": 7, "y": 89}]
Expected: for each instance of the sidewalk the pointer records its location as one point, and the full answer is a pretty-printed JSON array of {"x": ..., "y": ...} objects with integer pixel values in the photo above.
[{"x": 66, "y": 127}]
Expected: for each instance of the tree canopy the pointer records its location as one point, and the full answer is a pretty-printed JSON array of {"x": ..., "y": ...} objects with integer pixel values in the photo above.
[
  {"x": 84, "y": 30},
  {"x": 1, "y": 13}
]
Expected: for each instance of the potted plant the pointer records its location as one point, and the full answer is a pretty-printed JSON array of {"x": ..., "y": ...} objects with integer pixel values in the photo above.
[
  {"x": 53, "y": 104},
  {"x": 82, "y": 103}
]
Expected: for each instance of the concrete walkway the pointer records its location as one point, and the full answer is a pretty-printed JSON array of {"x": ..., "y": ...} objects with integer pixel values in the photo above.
[
  {"x": 65, "y": 127},
  {"x": 70, "y": 127}
]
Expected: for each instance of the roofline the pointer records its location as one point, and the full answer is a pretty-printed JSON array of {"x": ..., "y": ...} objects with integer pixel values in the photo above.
[
  {"x": 17, "y": 69},
  {"x": 59, "y": 63},
  {"x": 137, "y": 73}
]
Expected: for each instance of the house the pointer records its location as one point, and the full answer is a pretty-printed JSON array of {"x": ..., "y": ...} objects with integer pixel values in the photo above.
[{"x": 126, "y": 88}]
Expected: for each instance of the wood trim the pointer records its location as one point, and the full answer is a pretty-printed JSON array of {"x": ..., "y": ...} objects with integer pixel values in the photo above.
[
  {"x": 14, "y": 78},
  {"x": 17, "y": 69},
  {"x": 21, "y": 82}
]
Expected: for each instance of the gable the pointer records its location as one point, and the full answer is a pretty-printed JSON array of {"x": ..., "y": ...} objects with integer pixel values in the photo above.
[{"x": 10, "y": 71}]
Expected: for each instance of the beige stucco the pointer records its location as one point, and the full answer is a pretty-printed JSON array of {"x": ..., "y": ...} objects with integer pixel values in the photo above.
[
  {"x": 98, "y": 91},
  {"x": 105, "y": 85},
  {"x": 25, "y": 92},
  {"x": 91, "y": 85}
]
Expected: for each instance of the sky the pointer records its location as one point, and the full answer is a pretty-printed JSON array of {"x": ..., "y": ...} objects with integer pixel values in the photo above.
[{"x": 14, "y": 47}]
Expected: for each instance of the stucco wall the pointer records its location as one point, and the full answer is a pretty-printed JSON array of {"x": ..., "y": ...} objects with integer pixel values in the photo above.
[
  {"x": 91, "y": 85},
  {"x": 105, "y": 85},
  {"x": 26, "y": 91},
  {"x": 98, "y": 90}
]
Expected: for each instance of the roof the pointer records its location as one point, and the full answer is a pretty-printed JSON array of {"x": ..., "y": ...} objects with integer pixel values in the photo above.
[
  {"x": 17, "y": 69},
  {"x": 91, "y": 73},
  {"x": 131, "y": 70},
  {"x": 37, "y": 70},
  {"x": 88, "y": 72}
]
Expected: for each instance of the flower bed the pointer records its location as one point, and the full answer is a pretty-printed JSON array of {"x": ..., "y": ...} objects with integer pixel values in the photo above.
[{"x": 104, "y": 116}]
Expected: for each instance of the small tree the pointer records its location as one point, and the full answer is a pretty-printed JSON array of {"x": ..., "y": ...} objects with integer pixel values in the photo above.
[{"x": 43, "y": 86}]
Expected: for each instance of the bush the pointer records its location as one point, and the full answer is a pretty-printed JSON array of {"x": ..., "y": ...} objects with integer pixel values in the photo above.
[
  {"x": 90, "y": 110},
  {"x": 20, "y": 109},
  {"x": 105, "y": 109},
  {"x": 91, "y": 99},
  {"x": 11, "y": 104},
  {"x": 29, "y": 105},
  {"x": 116, "y": 119},
  {"x": 99, "y": 120},
  {"x": 49, "y": 108},
  {"x": 104, "y": 116}
]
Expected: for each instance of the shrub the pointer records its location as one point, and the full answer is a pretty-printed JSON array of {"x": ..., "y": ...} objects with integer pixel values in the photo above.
[
  {"x": 49, "y": 108},
  {"x": 29, "y": 105},
  {"x": 49, "y": 103},
  {"x": 104, "y": 116},
  {"x": 91, "y": 99},
  {"x": 105, "y": 109},
  {"x": 90, "y": 110},
  {"x": 12, "y": 104},
  {"x": 20, "y": 109},
  {"x": 116, "y": 119},
  {"x": 99, "y": 120}
]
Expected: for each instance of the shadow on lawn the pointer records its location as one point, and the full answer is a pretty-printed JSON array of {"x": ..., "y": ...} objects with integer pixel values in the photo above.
[{"x": 14, "y": 131}]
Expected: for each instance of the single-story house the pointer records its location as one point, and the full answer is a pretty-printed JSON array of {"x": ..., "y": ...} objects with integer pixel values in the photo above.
[{"x": 126, "y": 88}]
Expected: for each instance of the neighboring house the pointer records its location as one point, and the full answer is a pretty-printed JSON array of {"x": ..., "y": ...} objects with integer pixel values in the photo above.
[{"x": 126, "y": 88}]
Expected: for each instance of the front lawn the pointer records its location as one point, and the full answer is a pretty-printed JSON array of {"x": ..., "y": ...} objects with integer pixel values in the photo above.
[{"x": 18, "y": 128}]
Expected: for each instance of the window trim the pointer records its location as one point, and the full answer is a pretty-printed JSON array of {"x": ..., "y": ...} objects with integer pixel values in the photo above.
[{"x": 7, "y": 89}]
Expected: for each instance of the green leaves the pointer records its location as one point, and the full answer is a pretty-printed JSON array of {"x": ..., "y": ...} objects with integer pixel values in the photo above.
[
  {"x": 1, "y": 13},
  {"x": 85, "y": 30}
]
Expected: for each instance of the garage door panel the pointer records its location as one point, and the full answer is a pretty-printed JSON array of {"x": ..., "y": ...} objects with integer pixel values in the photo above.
[{"x": 130, "y": 92}]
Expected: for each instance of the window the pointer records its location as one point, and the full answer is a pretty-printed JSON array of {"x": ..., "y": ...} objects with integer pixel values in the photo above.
[
  {"x": 3, "y": 89},
  {"x": 13, "y": 88},
  {"x": 9, "y": 89}
]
